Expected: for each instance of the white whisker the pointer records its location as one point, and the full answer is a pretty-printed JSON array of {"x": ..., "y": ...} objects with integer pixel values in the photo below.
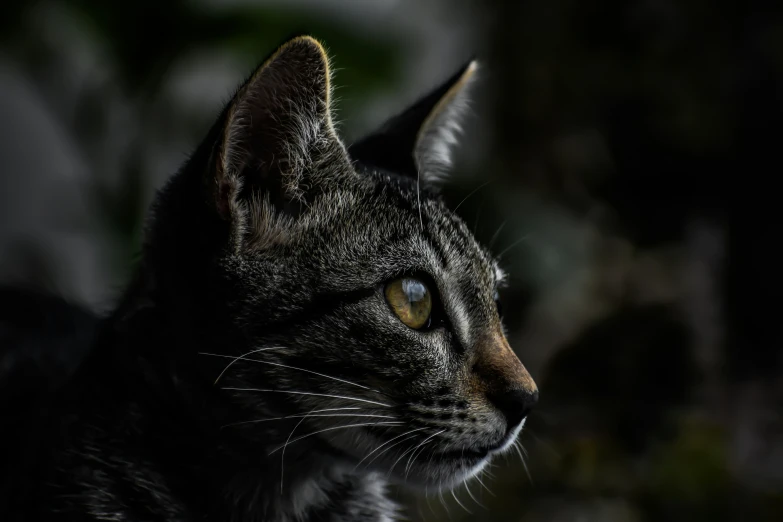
[
  {"x": 352, "y": 415},
  {"x": 414, "y": 456},
  {"x": 432, "y": 454},
  {"x": 238, "y": 358},
  {"x": 453, "y": 494},
  {"x": 522, "y": 458},
  {"x": 427, "y": 497},
  {"x": 389, "y": 448},
  {"x": 410, "y": 448},
  {"x": 317, "y": 415},
  {"x": 335, "y": 428},
  {"x": 282, "y": 456},
  {"x": 470, "y": 493},
  {"x": 549, "y": 447},
  {"x": 312, "y": 394},
  {"x": 418, "y": 197},
  {"x": 241, "y": 357},
  {"x": 289, "y": 416},
  {"x": 496, "y": 234},
  {"x": 471, "y": 193},
  {"x": 478, "y": 478},
  {"x": 443, "y": 502},
  {"x": 413, "y": 449},
  {"x": 512, "y": 245},
  {"x": 478, "y": 215},
  {"x": 384, "y": 444}
]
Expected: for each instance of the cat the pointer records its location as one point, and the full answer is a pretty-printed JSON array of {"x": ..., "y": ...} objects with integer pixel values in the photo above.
[{"x": 308, "y": 323}]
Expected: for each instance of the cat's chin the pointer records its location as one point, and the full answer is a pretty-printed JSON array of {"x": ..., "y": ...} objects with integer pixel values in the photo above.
[
  {"x": 450, "y": 468},
  {"x": 442, "y": 473}
]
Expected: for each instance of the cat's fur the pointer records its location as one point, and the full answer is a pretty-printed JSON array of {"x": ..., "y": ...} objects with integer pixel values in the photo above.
[{"x": 253, "y": 370}]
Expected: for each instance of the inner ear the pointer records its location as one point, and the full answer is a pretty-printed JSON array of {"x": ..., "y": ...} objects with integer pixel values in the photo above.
[
  {"x": 277, "y": 131},
  {"x": 418, "y": 143}
]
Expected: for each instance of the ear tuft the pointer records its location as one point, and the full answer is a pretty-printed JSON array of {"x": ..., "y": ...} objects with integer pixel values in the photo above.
[
  {"x": 439, "y": 134},
  {"x": 419, "y": 142}
]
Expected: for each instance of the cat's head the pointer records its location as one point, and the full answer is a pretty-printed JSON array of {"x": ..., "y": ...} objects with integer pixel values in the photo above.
[{"x": 354, "y": 306}]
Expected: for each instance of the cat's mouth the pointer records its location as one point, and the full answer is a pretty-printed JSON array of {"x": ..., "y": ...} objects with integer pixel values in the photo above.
[
  {"x": 475, "y": 454},
  {"x": 452, "y": 466}
]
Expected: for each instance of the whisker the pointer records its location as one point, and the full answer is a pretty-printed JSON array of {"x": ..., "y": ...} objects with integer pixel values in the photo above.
[
  {"x": 351, "y": 415},
  {"x": 354, "y": 415},
  {"x": 427, "y": 496},
  {"x": 443, "y": 502},
  {"x": 432, "y": 454},
  {"x": 238, "y": 358},
  {"x": 516, "y": 448},
  {"x": 544, "y": 443},
  {"x": 512, "y": 245},
  {"x": 282, "y": 456},
  {"x": 411, "y": 461},
  {"x": 293, "y": 368},
  {"x": 470, "y": 493},
  {"x": 335, "y": 428},
  {"x": 470, "y": 194},
  {"x": 410, "y": 448},
  {"x": 420, "y": 508},
  {"x": 414, "y": 449},
  {"x": 478, "y": 478},
  {"x": 288, "y": 416},
  {"x": 384, "y": 444},
  {"x": 418, "y": 197},
  {"x": 460, "y": 503},
  {"x": 312, "y": 394},
  {"x": 524, "y": 451},
  {"x": 522, "y": 458},
  {"x": 389, "y": 448},
  {"x": 414, "y": 457},
  {"x": 496, "y": 234},
  {"x": 318, "y": 415}
]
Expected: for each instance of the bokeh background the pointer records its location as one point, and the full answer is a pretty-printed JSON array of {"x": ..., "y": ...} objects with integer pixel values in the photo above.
[{"x": 620, "y": 157}]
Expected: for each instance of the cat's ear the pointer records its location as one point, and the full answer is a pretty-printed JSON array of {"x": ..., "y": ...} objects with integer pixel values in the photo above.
[
  {"x": 419, "y": 142},
  {"x": 277, "y": 136}
]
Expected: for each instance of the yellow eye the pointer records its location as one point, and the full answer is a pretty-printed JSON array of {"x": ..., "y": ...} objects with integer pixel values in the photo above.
[{"x": 411, "y": 301}]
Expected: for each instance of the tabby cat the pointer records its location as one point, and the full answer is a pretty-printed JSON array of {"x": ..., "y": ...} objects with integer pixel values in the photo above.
[{"x": 307, "y": 324}]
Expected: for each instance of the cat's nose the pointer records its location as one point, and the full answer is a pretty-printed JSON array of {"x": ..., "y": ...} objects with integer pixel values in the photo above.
[
  {"x": 515, "y": 405},
  {"x": 504, "y": 380}
]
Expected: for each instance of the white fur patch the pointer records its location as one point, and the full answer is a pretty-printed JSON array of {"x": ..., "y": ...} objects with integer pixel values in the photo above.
[
  {"x": 512, "y": 437},
  {"x": 501, "y": 277}
]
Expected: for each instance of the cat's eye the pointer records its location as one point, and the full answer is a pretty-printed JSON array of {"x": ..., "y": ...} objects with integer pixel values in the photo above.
[{"x": 411, "y": 301}]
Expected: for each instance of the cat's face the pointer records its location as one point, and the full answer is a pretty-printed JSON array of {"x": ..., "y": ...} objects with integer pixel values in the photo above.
[{"x": 366, "y": 311}]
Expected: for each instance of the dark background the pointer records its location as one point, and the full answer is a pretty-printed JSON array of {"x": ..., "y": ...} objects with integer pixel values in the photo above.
[{"x": 621, "y": 155}]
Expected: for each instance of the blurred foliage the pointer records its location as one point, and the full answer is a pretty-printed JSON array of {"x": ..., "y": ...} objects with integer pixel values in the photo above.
[
  {"x": 143, "y": 41},
  {"x": 691, "y": 472},
  {"x": 145, "y": 38}
]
